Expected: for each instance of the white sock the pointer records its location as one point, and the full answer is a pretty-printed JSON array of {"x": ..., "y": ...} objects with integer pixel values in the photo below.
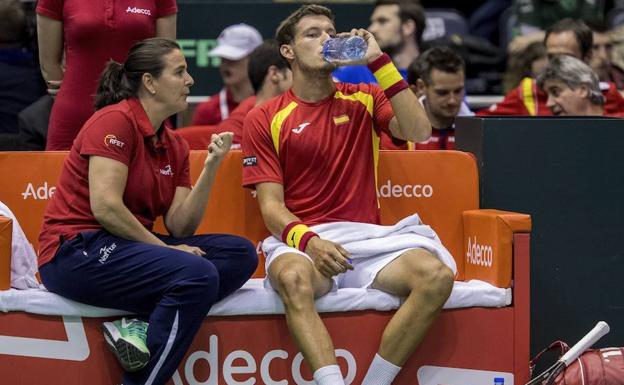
[
  {"x": 328, "y": 375},
  {"x": 381, "y": 372}
]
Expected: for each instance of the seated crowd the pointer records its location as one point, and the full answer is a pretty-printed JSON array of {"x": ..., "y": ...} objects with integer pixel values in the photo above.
[{"x": 437, "y": 75}]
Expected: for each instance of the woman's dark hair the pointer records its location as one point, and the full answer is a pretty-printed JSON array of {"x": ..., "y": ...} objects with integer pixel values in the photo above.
[{"x": 122, "y": 81}]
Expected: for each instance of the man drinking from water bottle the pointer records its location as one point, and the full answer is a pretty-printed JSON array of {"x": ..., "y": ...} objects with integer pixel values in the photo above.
[{"x": 311, "y": 155}]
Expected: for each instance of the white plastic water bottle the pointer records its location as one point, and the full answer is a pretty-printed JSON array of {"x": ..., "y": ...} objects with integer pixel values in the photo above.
[{"x": 344, "y": 48}]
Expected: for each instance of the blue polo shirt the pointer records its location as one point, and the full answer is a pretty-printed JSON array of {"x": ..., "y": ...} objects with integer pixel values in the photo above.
[{"x": 359, "y": 74}]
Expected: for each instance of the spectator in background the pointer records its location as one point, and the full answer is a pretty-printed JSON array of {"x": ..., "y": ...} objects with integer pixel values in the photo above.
[
  {"x": 270, "y": 76},
  {"x": 437, "y": 78},
  {"x": 566, "y": 37},
  {"x": 398, "y": 26},
  {"x": 234, "y": 45},
  {"x": 572, "y": 88},
  {"x": 569, "y": 37},
  {"x": 602, "y": 46},
  {"x": 532, "y": 17},
  {"x": 617, "y": 56},
  {"x": 524, "y": 64},
  {"x": 602, "y": 56},
  {"x": 20, "y": 81},
  {"x": 90, "y": 33}
]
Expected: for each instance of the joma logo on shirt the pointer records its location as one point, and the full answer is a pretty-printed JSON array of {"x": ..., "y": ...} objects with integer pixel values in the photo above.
[
  {"x": 300, "y": 128},
  {"x": 142, "y": 11},
  {"x": 112, "y": 139}
]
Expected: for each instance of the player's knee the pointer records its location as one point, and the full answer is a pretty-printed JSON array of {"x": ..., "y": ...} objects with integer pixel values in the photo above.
[
  {"x": 295, "y": 287},
  {"x": 438, "y": 282},
  {"x": 430, "y": 276}
]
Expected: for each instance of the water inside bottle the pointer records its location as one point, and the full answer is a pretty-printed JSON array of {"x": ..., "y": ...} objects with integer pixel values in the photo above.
[
  {"x": 354, "y": 48},
  {"x": 344, "y": 48}
]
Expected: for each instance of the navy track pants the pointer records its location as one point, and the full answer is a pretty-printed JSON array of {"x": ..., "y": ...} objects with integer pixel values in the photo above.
[{"x": 171, "y": 289}]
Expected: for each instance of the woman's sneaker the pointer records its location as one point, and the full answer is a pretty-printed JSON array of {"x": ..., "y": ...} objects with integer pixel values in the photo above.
[{"x": 126, "y": 339}]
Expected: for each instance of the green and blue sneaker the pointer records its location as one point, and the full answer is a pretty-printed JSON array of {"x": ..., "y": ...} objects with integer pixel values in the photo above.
[{"x": 126, "y": 339}]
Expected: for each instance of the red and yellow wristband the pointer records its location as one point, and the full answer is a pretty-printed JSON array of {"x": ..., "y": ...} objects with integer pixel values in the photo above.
[
  {"x": 387, "y": 75},
  {"x": 297, "y": 234}
]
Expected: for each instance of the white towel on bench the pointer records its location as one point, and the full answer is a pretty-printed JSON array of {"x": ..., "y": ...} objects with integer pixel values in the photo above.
[
  {"x": 254, "y": 299},
  {"x": 23, "y": 257},
  {"x": 366, "y": 240}
]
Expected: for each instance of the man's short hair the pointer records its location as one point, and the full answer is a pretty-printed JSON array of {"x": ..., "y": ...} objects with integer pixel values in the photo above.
[
  {"x": 598, "y": 26},
  {"x": 441, "y": 58},
  {"x": 573, "y": 73},
  {"x": 409, "y": 10},
  {"x": 286, "y": 31},
  {"x": 583, "y": 33},
  {"x": 13, "y": 25},
  {"x": 261, "y": 58}
]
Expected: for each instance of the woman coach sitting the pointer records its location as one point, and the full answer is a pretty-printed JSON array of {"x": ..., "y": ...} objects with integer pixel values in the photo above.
[{"x": 126, "y": 168}]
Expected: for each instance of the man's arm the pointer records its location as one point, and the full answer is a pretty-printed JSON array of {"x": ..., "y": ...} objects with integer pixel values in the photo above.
[
  {"x": 410, "y": 120},
  {"x": 329, "y": 257}
]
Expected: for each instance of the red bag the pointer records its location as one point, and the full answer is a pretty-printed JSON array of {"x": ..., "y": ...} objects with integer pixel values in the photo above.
[{"x": 593, "y": 367}]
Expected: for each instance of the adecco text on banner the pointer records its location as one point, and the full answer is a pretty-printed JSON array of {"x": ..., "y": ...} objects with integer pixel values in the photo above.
[
  {"x": 38, "y": 192},
  {"x": 76, "y": 348},
  {"x": 250, "y": 366},
  {"x": 480, "y": 255},
  {"x": 389, "y": 190}
]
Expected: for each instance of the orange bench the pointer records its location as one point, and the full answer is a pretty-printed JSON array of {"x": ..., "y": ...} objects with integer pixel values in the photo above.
[{"x": 464, "y": 344}]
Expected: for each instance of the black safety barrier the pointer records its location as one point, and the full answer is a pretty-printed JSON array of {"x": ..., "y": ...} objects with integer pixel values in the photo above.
[{"x": 568, "y": 174}]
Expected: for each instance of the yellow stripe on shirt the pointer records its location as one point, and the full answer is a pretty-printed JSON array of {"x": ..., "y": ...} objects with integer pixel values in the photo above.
[
  {"x": 362, "y": 97},
  {"x": 278, "y": 120},
  {"x": 376, "y": 144},
  {"x": 528, "y": 96}
]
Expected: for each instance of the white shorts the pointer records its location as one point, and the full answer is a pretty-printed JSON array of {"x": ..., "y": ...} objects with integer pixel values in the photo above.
[{"x": 372, "y": 247}]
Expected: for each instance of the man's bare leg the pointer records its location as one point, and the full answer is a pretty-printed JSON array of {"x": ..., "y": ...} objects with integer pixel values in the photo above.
[
  {"x": 426, "y": 283},
  {"x": 298, "y": 284}
]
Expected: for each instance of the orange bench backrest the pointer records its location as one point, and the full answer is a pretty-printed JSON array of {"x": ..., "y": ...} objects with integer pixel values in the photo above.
[{"x": 438, "y": 185}]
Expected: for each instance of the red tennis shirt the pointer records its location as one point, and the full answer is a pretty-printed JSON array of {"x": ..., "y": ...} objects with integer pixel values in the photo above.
[
  {"x": 324, "y": 153},
  {"x": 215, "y": 110},
  {"x": 199, "y": 137},
  {"x": 124, "y": 133}
]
